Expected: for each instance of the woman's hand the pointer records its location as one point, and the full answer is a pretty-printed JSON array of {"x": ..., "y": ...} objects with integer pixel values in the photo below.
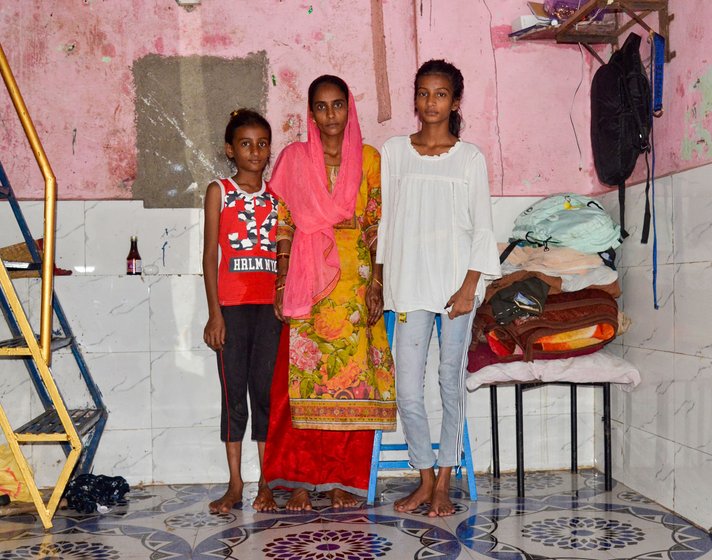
[
  {"x": 214, "y": 332},
  {"x": 374, "y": 301}
]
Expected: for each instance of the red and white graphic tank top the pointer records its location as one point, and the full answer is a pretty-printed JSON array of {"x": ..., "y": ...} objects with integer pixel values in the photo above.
[{"x": 248, "y": 245}]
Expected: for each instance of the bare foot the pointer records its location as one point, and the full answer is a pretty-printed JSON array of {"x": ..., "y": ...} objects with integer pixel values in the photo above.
[
  {"x": 440, "y": 504},
  {"x": 342, "y": 499},
  {"x": 230, "y": 499},
  {"x": 264, "y": 500},
  {"x": 299, "y": 501},
  {"x": 413, "y": 500}
]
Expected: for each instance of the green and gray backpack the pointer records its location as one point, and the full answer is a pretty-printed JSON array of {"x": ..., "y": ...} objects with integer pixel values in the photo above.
[{"x": 567, "y": 220}]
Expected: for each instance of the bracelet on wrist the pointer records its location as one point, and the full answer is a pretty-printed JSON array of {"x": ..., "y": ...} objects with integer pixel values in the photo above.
[
  {"x": 377, "y": 281},
  {"x": 282, "y": 255}
]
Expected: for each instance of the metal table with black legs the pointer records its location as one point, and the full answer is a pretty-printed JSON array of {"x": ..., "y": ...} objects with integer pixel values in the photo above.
[{"x": 519, "y": 389}]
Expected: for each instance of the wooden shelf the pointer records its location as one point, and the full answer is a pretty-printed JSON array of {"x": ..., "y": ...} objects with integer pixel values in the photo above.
[{"x": 577, "y": 29}]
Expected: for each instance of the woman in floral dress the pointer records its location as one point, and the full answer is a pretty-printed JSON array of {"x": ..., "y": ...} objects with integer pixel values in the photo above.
[{"x": 340, "y": 379}]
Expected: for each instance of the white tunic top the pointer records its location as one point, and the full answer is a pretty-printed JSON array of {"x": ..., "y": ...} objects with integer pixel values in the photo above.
[{"x": 436, "y": 225}]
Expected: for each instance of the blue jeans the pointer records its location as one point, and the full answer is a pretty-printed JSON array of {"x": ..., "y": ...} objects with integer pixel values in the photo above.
[{"x": 412, "y": 339}]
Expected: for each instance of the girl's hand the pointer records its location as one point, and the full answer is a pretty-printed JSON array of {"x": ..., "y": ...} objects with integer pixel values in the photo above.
[
  {"x": 278, "y": 306},
  {"x": 214, "y": 332},
  {"x": 374, "y": 301},
  {"x": 460, "y": 303},
  {"x": 463, "y": 300}
]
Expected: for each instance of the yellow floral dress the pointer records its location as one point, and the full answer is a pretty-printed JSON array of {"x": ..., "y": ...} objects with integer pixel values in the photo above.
[{"x": 341, "y": 373}]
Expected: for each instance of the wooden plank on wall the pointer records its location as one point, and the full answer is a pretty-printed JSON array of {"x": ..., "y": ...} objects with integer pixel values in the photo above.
[{"x": 380, "y": 66}]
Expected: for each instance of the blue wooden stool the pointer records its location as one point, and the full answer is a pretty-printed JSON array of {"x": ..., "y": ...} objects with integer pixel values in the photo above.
[{"x": 377, "y": 464}]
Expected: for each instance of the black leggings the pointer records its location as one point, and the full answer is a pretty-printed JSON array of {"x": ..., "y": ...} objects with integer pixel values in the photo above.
[{"x": 247, "y": 362}]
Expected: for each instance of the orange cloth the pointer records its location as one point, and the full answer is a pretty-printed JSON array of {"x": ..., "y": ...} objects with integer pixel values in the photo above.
[
  {"x": 559, "y": 342},
  {"x": 579, "y": 338}
]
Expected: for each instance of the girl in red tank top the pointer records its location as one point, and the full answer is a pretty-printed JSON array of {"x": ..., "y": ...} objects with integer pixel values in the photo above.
[{"x": 239, "y": 270}]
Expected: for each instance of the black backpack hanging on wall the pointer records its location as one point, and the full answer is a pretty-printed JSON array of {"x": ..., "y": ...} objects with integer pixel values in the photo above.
[{"x": 620, "y": 117}]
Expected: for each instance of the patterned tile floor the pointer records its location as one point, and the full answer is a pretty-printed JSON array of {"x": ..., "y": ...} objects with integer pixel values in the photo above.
[{"x": 564, "y": 516}]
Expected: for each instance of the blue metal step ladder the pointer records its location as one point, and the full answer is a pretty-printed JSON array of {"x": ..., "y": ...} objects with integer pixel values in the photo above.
[
  {"x": 89, "y": 422},
  {"x": 377, "y": 464}
]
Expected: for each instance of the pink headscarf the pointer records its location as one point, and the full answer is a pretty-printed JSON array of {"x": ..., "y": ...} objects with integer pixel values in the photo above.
[{"x": 299, "y": 179}]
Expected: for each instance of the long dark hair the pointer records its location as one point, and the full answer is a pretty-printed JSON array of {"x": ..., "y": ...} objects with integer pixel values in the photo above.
[
  {"x": 245, "y": 117},
  {"x": 327, "y": 79},
  {"x": 440, "y": 66}
]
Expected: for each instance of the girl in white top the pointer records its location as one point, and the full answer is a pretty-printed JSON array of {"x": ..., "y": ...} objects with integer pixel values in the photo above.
[{"x": 436, "y": 245}]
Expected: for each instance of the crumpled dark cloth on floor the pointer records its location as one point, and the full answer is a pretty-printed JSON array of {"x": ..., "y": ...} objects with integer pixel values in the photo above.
[{"x": 85, "y": 491}]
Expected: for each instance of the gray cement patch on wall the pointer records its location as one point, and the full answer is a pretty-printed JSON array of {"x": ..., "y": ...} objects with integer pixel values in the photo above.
[{"x": 182, "y": 107}]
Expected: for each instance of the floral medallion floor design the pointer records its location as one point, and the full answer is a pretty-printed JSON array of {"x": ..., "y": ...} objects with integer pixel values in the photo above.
[{"x": 565, "y": 516}]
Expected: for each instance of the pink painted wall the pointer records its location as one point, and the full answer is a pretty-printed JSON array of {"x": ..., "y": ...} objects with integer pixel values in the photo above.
[{"x": 73, "y": 63}]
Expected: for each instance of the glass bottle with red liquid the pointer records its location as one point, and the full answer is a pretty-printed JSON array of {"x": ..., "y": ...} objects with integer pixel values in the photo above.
[{"x": 133, "y": 260}]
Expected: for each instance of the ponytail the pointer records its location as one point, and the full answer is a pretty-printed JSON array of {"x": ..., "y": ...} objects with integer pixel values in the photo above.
[{"x": 455, "y": 123}]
